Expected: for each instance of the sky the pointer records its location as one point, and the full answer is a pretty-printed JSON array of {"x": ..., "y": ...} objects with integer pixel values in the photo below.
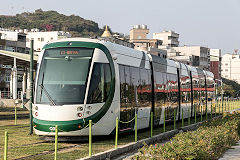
[{"x": 209, "y": 23}]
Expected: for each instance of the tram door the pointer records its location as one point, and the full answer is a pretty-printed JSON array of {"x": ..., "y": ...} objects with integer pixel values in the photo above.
[{"x": 127, "y": 110}]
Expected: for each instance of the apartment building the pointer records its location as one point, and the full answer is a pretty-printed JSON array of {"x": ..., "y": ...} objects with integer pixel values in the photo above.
[
  {"x": 196, "y": 55},
  {"x": 230, "y": 67},
  {"x": 138, "y": 36},
  {"x": 12, "y": 41},
  {"x": 168, "y": 38},
  {"x": 42, "y": 38}
]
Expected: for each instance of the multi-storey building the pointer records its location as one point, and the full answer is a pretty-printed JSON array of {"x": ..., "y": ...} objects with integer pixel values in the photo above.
[
  {"x": 138, "y": 36},
  {"x": 12, "y": 41},
  {"x": 215, "y": 62},
  {"x": 196, "y": 55},
  {"x": 168, "y": 38},
  {"x": 42, "y": 38},
  {"x": 230, "y": 67}
]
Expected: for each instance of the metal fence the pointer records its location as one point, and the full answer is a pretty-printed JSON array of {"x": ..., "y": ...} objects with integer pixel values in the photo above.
[{"x": 8, "y": 95}]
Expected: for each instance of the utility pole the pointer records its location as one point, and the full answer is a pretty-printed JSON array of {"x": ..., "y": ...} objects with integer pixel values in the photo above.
[{"x": 31, "y": 88}]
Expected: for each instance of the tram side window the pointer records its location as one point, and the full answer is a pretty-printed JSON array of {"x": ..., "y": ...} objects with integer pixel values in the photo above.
[
  {"x": 128, "y": 86},
  {"x": 210, "y": 89},
  {"x": 185, "y": 89},
  {"x": 160, "y": 93},
  {"x": 135, "y": 87},
  {"x": 100, "y": 83},
  {"x": 202, "y": 89},
  {"x": 173, "y": 88},
  {"x": 135, "y": 83},
  {"x": 195, "y": 89},
  {"x": 122, "y": 85},
  {"x": 160, "y": 88},
  {"x": 145, "y": 88},
  {"x": 150, "y": 87}
]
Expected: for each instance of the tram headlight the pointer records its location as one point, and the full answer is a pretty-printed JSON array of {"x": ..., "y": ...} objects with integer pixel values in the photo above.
[
  {"x": 89, "y": 107},
  {"x": 79, "y": 114},
  {"x": 36, "y": 113},
  {"x": 80, "y": 108}
]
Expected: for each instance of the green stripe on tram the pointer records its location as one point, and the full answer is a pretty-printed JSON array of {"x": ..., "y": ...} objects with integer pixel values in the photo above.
[{"x": 45, "y": 126}]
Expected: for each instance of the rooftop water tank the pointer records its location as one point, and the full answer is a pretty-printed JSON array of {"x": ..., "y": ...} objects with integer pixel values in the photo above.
[
  {"x": 144, "y": 26},
  {"x": 136, "y": 26}
]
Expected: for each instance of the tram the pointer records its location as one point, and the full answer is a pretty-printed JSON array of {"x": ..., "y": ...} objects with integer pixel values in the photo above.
[{"x": 82, "y": 79}]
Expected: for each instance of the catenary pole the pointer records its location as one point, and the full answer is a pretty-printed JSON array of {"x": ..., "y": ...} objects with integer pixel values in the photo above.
[{"x": 31, "y": 88}]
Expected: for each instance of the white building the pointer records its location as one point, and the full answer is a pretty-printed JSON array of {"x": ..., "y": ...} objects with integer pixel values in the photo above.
[
  {"x": 199, "y": 56},
  {"x": 169, "y": 38},
  {"x": 13, "y": 41},
  {"x": 230, "y": 67},
  {"x": 42, "y": 38}
]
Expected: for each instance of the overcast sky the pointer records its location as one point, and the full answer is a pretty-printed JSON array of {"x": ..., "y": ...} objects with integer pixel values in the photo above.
[{"x": 211, "y": 23}]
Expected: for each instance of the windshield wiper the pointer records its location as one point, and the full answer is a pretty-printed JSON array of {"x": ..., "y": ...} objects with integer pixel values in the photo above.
[{"x": 48, "y": 95}]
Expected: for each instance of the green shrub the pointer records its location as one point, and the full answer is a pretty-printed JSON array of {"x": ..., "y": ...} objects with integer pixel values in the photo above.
[{"x": 208, "y": 142}]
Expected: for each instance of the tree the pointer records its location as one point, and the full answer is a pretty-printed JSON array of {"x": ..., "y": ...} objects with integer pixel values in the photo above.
[
  {"x": 49, "y": 20},
  {"x": 228, "y": 91},
  {"x": 233, "y": 90}
]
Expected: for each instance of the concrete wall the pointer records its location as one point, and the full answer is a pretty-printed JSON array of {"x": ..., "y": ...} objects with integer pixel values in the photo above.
[{"x": 9, "y": 103}]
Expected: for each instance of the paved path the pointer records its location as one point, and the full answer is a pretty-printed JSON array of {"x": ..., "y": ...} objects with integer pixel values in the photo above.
[{"x": 233, "y": 153}]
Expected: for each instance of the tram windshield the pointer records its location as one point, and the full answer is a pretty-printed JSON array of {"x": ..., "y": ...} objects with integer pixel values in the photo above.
[{"x": 63, "y": 76}]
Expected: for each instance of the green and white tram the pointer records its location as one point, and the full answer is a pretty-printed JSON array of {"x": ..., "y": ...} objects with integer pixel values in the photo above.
[{"x": 86, "y": 79}]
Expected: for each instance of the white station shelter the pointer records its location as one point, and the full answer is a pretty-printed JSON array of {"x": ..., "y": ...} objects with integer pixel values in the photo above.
[{"x": 17, "y": 60}]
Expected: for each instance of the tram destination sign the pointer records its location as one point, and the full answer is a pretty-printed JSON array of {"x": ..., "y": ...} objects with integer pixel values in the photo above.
[{"x": 69, "y": 52}]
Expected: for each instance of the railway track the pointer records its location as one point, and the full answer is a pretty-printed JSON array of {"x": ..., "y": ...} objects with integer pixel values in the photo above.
[
  {"x": 12, "y": 116},
  {"x": 47, "y": 152}
]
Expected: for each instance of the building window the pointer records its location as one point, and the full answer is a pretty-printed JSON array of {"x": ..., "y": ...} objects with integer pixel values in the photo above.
[
  {"x": 27, "y": 39},
  {"x": 226, "y": 70},
  {"x": 42, "y": 39},
  {"x": 8, "y": 77},
  {"x": 39, "y": 39},
  {"x": 139, "y": 37},
  {"x": 19, "y": 78},
  {"x": 226, "y": 76},
  {"x": 226, "y": 64}
]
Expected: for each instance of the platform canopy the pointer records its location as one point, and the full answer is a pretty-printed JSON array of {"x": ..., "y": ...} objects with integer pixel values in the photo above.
[{"x": 7, "y": 58}]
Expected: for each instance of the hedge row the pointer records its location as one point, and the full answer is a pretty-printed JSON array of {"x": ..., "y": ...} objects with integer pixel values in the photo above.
[{"x": 208, "y": 142}]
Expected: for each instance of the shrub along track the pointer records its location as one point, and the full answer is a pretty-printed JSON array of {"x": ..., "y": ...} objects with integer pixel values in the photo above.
[{"x": 208, "y": 142}]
